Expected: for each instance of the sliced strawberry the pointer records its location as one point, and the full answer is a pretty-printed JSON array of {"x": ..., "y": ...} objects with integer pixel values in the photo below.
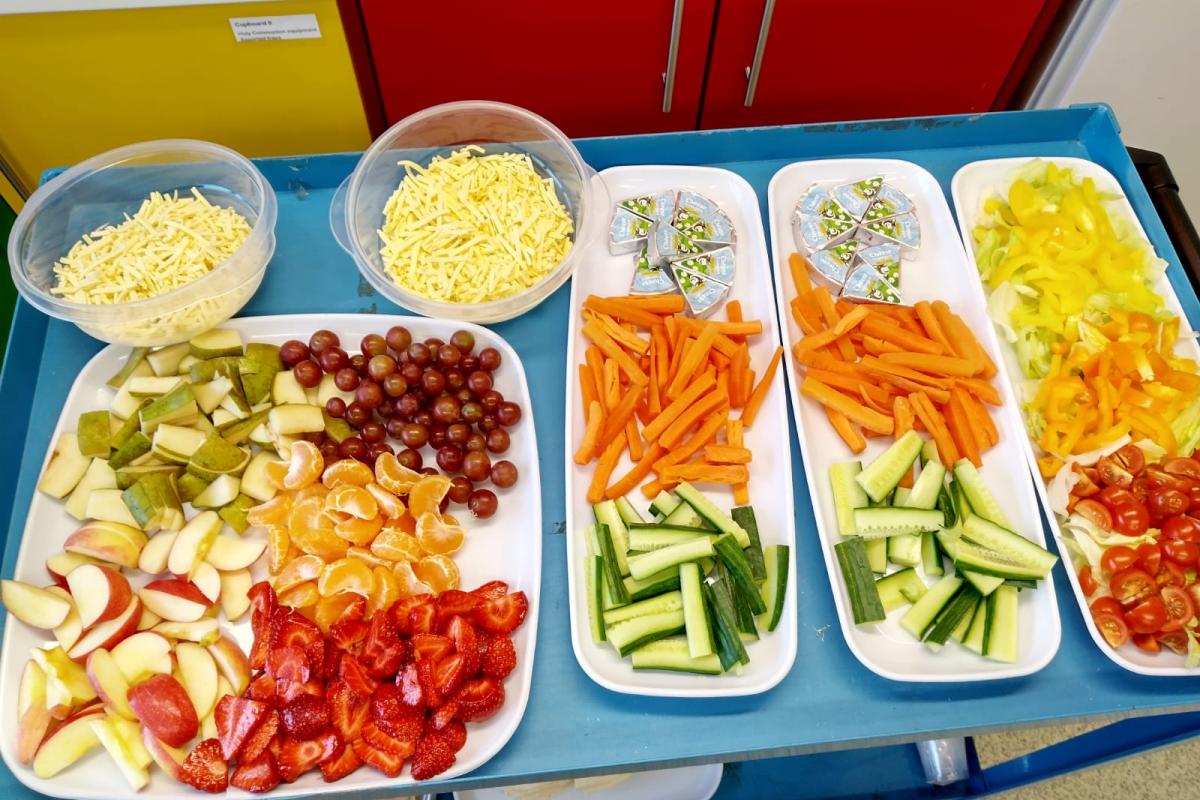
[
  {"x": 479, "y": 699},
  {"x": 205, "y": 769},
  {"x": 258, "y": 775},
  {"x": 501, "y": 614},
  {"x": 383, "y": 652},
  {"x": 297, "y": 757},
  {"x": 439, "y": 719},
  {"x": 427, "y": 678},
  {"x": 305, "y": 717},
  {"x": 455, "y": 602},
  {"x": 237, "y": 718},
  {"x": 337, "y": 768},
  {"x": 410, "y": 686},
  {"x": 262, "y": 689},
  {"x": 386, "y": 762},
  {"x": 348, "y": 634},
  {"x": 263, "y": 603},
  {"x": 356, "y": 610},
  {"x": 456, "y": 734},
  {"x": 347, "y": 710},
  {"x": 333, "y": 660},
  {"x": 433, "y": 756},
  {"x": 387, "y": 702},
  {"x": 500, "y": 658},
  {"x": 431, "y": 647},
  {"x": 451, "y": 672},
  {"x": 422, "y": 619},
  {"x": 287, "y": 691},
  {"x": 466, "y": 643},
  {"x": 354, "y": 673},
  {"x": 406, "y": 724},
  {"x": 259, "y": 649},
  {"x": 491, "y": 590},
  {"x": 380, "y": 738},
  {"x": 260, "y": 740},
  {"x": 401, "y": 609},
  {"x": 289, "y": 663}
]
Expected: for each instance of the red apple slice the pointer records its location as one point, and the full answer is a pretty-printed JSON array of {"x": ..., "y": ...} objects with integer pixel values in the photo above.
[
  {"x": 142, "y": 654},
  {"x": 109, "y": 681},
  {"x": 71, "y": 629},
  {"x": 193, "y": 542},
  {"x": 67, "y": 684},
  {"x": 208, "y": 581},
  {"x": 232, "y": 662},
  {"x": 111, "y": 542},
  {"x": 33, "y": 605},
  {"x": 100, "y": 592},
  {"x": 60, "y": 565},
  {"x": 233, "y": 552},
  {"x": 198, "y": 674},
  {"x": 107, "y": 634},
  {"x": 169, "y": 758},
  {"x": 163, "y": 706},
  {"x": 148, "y": 619},
  {"x": 174, "y": 600},
  {"x": 203, "y": 631},
  {"x": 235, "y": 593},
  {"x": 153, "y": 558},
  {"x": 33, "y": 716},
  {"x": 68, "y": 743}
]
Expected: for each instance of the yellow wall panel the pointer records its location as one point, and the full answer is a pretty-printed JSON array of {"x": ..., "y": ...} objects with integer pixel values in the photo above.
[{"x": 76, "y": 84}]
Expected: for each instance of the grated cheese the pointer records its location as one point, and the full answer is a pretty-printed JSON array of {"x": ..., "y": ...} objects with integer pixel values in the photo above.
[
  {"x": 170, "y": 242},
  {"x": 470, "y": 228}
]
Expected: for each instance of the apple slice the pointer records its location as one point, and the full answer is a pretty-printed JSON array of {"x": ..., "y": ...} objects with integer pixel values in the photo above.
[
  {"x": 232, "y": 662},
  {"x": 33, "y": 716},
  {"x": 193, "y": 542},
  {"x": 208, "y": 581},
  {"x": 107, "y": 634},
  {"x": 33, "y": 605},
  {"x": 163, "y": 706},
  {"x": 68, "y": 743},
  {"x": 233, "y": 552},
  {"x": 110, "y": 542},
  {"x": 67, "y": 684},
  {"x": 202, "y": 631},
  {"x": 235, "y": 593},
  {"x": 153, "y": 559},
  {"x": 143, "y": 653},
  {"x": 131, "y": 734},
  {"x": 108, "y": 736},
  {"x": 60, "y": 565},
  {"x": 109, "y": 681},
  {"x": 175, "y": 600},
  {"x": 169, "y": 759},
  {"x": 148, "y": 619},
  {"x": 100, "y": 592},
  {"x": 71, "y": 629},
  {"x": 198, "y": 674}
]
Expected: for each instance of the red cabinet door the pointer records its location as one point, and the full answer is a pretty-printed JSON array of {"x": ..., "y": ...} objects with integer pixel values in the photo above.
[
  {"x": 866, "y": 59},
  {"x": 592, "y": 69}
]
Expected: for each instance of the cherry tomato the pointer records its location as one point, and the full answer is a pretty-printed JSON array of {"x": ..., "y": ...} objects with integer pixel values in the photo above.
[
  {"x": 1107, "y": 605},
  {"x": 1113, "y": 629},
  {"x": 1086, "y": 582},
  {"x": 1148, "y": 616},
  {"x": 1185, "y": 467},
  {"x": 1179, "y": 606},
  {"x": 1087, "y": 485},
  {"x": 1131, "y": 520},
  {"x": 1156, "y": 478},
  {"x": 1147, "y": 642},
  {"x": 1115, "y": 497},
  {"x": 1095, "y": 512},
  {"x": 1131, "y": 584},
  {"x": 1149, "y": 557},
  {"x": 1117, "y": 558},
  {"x": 1141, "y": 488},
  {"x": 1194, "y": 591},
  {"x": 1168, "y": 502},
  {"x": 1182, "y": 528},
  {"x": 1171, "y": 574},
  {"x": 1112, "y": 472},
  {"x": 1185, "y": 554},
  {"x": 1193, "y": 493},
  {"x": 1175, "y": 641}
]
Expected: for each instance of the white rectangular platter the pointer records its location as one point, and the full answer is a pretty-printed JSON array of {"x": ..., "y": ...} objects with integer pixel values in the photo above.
[
  {"x": 973, "y": 184},
  {"x": 505, "y": 547},
  {"x": 939, "y": 271},
  {"x": 770, "y": 472},
  {"x": 681, "y": 783}
]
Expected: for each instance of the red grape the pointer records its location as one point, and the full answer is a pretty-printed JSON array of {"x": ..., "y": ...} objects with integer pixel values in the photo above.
[
  {"x": 476, "y": 441},
  {"x": 369, "y": 394},
  {"x": 450, "y": 458},
  {"x": 379, "y": 367},
  {"x": 437, "y": 437},
  {"x": 429, "y": 471},
  {"x": 353, "y": 447},
  {"x": 329, "y": 450},
  {"x": 334, "y": 358},
  {"x": 394, "y": 385},
  {"x": 434, "y": 341},
  {"x": 455, "y": 379},
  {"x": 372, "y": 345},
  {"x": 335, "y": 407},
  {"x": 373, "y": 432},
  {"x": 504, "y": 474},
  {"x": 464, "y": 395},
  {"x": 419, "y": 354},
  {"x": 458, "y": 433},
  {"x": 394, "y": 426},
  {"x": 448, "y": 355},
  {"x": 292, "y": 352},
  {"x": 358, "y": 362},
  {"x": 433, "y": 382},
  {"x": 497, "y": 440},
  {"x": 469, "y": 364},
  {"x": 410, "y": 458},
  {"x": 346, "y": 379},
  {"x": 407, "y": 404},
  {"x": 320, "y": 340},
  {"x": 377, "y": 449},
  {"x": 489, "y": 423},
  {"x": 446, "y": 410},
  {"x": 479, "y": 382},
  {"x": 464, "y": 341},
  {"x": 423, "y": 417},
  {"x": 489, "y": 359},
  {"x": 414, "y": 435},
  {"x": 471, "y": 412},
  {"x": 482, "y": 503},
  {"x": 476, "y": 465},
  {"x": 460, "y": 489},
  {"x": 308, "y": 374},
  {"x": 411, "y": 373},
  {"x": 357, "y": 414},
  {"x": 398, "y": 338},
  {"x": 508, "y": 414}
]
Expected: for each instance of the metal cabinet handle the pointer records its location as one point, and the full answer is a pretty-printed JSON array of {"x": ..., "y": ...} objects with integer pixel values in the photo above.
[
  {"x": 672, "y": 57},
  {"x": 752, "y": 72}
]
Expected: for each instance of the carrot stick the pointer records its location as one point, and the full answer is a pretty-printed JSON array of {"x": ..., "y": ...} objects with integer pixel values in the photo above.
[
  {"x": 910, "y": 323},
  {"x": 653, "y": 398},
  {"x": 689, "y": 396},
  {"x": 719, "y": 360},
  {"x": 591, "y": 435},
  {"x": 802, "y": 320},
  {"x": 935, "y": 365},
  {"x": 825, "y": 303},
  {"x": 650, "y": 490},
  {"x": 705, "y": 434},
  {"x": 632, "y": 478},
  {"x": 760, "y": 392},
  {"x": 677, "y": 354},
  {"x": 961, "y": 339},
  {"x": 849, "y": 383},
  {"x": 878, "y": 347},
  {"x": 741, "y": 494},
  {"x": 690, "y": 416},
  {"x": 587, "y": 387},
  {"x": 737, "y": 377},
  {"x": 871, "y": 403},
  {"x": 633, "y": 439},
  {"x": 621, "y": 335},
  {"x": 655, "y": 304},
  {"x": 723, "y": 382},
  {"x": 620, "y": 414},
  {"x": 595, "y": 362},
  {"x": 691, "y": 361},
  {"x": 831, "y": 335},
  {"x": 902, "y": 412},
  {"x": 612, "y": 385},
  {"x": 604, "y": 468},
  {"x": 937, "y": 428},
  {"x": 933, "y": 328},
  {"x": 706, "y": 473},
  {"x": 622, "y": 311},
  {"x": 978, "y": 417},
  {"x": 734, "y": 436},
  {"x": 601, "y": 339},
  {"x": 960, "y": 430},
  {"x": 660, "y": 348},
  {"x": 726, "y": 454},
  {"x": 733, "y": 311},
  {"x": 981, "y": 389},
  {"x": 851, "y": 408},
  {"x": 642, "y": 412},
  {"x": 845, "y": 429},
  {"x": 878, "y": 326},
  {"x": 798, "y": 266}
]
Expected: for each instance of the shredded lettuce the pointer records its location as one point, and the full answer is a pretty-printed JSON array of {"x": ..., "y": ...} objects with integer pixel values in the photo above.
[
  {"x": 1193, "y": 648},
  {"x": 1089, "y": 540},
  {"x": 1186, "y": 428}
]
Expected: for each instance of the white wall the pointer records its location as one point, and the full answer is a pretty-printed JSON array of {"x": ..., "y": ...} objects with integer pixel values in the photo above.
[{"x": 1142, "y": 57}]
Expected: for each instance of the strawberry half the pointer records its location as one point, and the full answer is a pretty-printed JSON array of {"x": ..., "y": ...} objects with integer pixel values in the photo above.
[
  {"x": 422, "y": 619},
  {"x": 237, "y": 718},
  {"x": 500, "y": 659},
  {"x": 258, "y": 743},
  {"x": 355, "y": 674},
  {"x": 305, "y": 717},
  {"x": 455, "y": 602},
  {"x": 401, "y": 610},
  {"x": 258, "y": 775},
  {"x": 335, "y": 769},
  {"x": 452, "y": 671},
  {"x": 348, "y": 634},
  {"x": 501, "y": 614},
  {"x": 387, "y": 702},
  {"x": 298, "y": 757},
  {"x": 347, "y": 710},
  {"x": 491, "y": 590},
  {"x": 386, "y": 762},
  {"x": 431, "y": 646},
  {"x": 205, "y": 769},
  {"x": 289, "y": 663},
  {"x": 456, "y": 734},
  {"x": 434, "y": 755},
  {"x": 442, "y": 717},
  {"x": 383, "y": 652},
  {"x": 287, "y": 691},
  {"x": 262, "y": 689},
  {"x": 380, "y": 738},
  {"x": 427, "y": 679},
  {"x": 410, "y": 686},
  {"x": 479, "y": 699}
]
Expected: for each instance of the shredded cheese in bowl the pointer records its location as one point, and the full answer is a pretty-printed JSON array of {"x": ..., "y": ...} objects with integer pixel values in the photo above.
[{"x": 471, "y": 228}]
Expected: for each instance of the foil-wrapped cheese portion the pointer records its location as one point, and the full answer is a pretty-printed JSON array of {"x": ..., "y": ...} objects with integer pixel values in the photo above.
[
  {"x": 857, "y": 197},
  {"x": 815, "y": 233},
  {"x": 903, "y": 230},
  {"x": 649, "y": 278},
  {"x": 890, "y": 202},
  {"x": 657, "y": 206},
  {"x": 627, "y": 232},
  {"x": 818, "y": 202},
  {"x": 864, "y": 283},
  {"x": 718, "y": 265},
  {"x": 667, "y": 243},
  {"x": 694, "y": 204},
  {"x": 703, "y": 296},
  {"x": 885, "y": 258},
  {"x": 832, "y": 264}
]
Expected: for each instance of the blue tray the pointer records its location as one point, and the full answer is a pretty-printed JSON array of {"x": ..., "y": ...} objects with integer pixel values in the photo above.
[{"x": 573, "y": 727}]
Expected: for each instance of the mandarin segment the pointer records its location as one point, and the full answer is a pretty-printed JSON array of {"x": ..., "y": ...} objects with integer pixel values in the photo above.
[
  {"x": 273, "y": 512},
  {"x": 304, "y": 466},
  {"x": 396, "y": 545},
  {"x": 358, "y": 531},
  {"x": 312, "y": 531},
  {"x": 347, "y": 471},
  {"x": 276, "y": 472},
  {"x": 427, "y": 494},
  {"x": 386, "y": 591},
  {"x": 407, "y": 582},
  {"x": 363, "y": 554},
  {"x": 353, "y": 500},
  {"x": 346, "y": 575},
  {"x": 330, "y": 609},
  {"x": 440, "y": 572},
  {"x": 438, "y": 536},
  {"x": 278, "y": 545},
  {"x": 301, "y": 595},
  {"x": 317, "y": 490},
  {"x": 394, "y": 476},
  {"x": 389, "y": 504},
  {"x": 297, "y": 571}
]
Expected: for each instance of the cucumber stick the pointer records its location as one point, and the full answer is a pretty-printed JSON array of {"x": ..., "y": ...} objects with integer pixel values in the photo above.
[
  {"x": 612, "y": 573},
  {"x": 905, "y": 549},
  {"x": 880, "y": 477},
  {"x": 931, "y": 555},
  {"x": 594, "y": 576},
  {"x": 739, "y": 572},
  {"x": 606, "y": 514},
  {"x": 665, "y": 581},
  {"x": 672, "y": 654},
  {"x": 977, "y": 494},
  {"x": 631, "y": 634},
  {"x": 671, "y": 601},
  {"x": 777, "y": 558},
  {"x": 695, "y": 614},
  {"x": 973, "y": 641},
  {"x": 1000, "y": 631},
  {"x": 730, "y": 649},
  {"x": 1008, "y": 547},
  {"x": 923, "y": 612},
  {"x": 899, "y": 589},
  {"x": 629, "y": 514},
  {"x": 927, "y": 487},
  {"x": 847, "y": 494},
  {"x": 877, "y": 554},
  {"x": 865, "y": 604},
  {"x": 878, "y": 521},
  {"x": 644, "y": 565},
  {"x": 713, "y": 515},
  {"x": 744, "y": 516}
]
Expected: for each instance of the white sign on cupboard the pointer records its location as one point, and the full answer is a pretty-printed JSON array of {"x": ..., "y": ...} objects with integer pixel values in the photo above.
[{"x": 287, "y": 26}]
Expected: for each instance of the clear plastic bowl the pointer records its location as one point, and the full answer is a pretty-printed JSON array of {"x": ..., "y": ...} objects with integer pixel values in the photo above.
[
  {"x": 356, "y": 214},
  {"x": 99, "y": 191}
]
